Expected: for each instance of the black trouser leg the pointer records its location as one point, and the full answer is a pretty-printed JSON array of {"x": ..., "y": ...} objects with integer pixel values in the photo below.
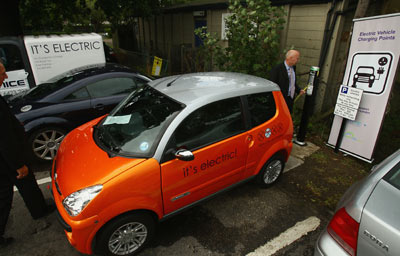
[
  {"x": 6, "y": 197},
  {"x": 32, "y": 195},
  {"x": 289, "y": 103}
]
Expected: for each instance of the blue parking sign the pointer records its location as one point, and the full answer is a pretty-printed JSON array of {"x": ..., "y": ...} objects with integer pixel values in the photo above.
[{"x": 344, "y": 89}]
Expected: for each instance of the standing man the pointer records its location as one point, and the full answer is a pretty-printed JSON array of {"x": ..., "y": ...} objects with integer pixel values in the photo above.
[
  {"x": 13, "y": 168},
  {"x": 284, "y": 74}
]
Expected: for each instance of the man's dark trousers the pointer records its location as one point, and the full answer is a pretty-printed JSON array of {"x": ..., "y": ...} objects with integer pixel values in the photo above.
[
  {"x": 27, "y": 187},
  {"x": 6, "y": 197}
]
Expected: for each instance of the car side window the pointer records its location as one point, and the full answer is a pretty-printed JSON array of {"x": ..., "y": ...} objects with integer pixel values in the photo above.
[
  {"x": 211, "y": 123},
  {"x": 11, "y": 57},
  {"x": 80, "y": 94},
  {"x": 111, "y": 86},
  {"x": 261, "y": 107},
  {"x": 393, "y": 177}
]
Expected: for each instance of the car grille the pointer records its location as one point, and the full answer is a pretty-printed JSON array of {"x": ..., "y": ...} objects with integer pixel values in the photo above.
[{"x": 363, "y": 80}]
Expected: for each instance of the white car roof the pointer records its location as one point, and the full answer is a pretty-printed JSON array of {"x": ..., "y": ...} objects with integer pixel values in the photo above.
[{"x": 201, "y": 88}]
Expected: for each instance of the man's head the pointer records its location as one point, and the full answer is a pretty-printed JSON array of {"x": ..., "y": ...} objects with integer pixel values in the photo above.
[
  {"x": 3, "y": 74},
  {"x": 292, "y": 57}
]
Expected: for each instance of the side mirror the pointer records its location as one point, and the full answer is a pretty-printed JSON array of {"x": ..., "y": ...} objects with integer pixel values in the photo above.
[{"x": 184, "y": 155}]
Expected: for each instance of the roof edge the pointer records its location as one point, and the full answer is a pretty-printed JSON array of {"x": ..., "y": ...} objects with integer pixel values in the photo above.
[{"x": 223, "y": 4}]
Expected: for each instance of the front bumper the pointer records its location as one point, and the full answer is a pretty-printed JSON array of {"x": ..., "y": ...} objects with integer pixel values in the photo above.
[{"x": 80, "y": 233}]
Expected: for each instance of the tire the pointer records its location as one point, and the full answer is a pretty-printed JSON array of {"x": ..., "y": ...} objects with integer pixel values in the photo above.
[
  {"x": 126, "y": 235},
  {"x": 270, "y": 172},
  {"x": 44, "y": 143}
]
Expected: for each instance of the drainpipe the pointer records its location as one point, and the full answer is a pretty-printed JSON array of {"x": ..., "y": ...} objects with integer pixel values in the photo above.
[
  {"x": 326, "y": 31},
  {"x": 327, "y": 40}
]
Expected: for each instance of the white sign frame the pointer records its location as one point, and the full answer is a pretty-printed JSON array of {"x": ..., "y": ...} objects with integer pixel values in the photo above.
[
  {"x": 348, "y": 101},
  {"x": 375, "y": 47}
]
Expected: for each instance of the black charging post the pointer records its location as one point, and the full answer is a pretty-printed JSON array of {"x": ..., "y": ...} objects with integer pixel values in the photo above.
[{"x": 307, "y": 108}]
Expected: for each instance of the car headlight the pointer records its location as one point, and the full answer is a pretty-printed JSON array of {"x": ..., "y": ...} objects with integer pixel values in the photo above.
[{"x": 77, "y": 201}]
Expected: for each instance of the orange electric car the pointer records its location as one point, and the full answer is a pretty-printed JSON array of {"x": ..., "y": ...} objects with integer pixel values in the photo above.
[{"x": 169, "y": 145}]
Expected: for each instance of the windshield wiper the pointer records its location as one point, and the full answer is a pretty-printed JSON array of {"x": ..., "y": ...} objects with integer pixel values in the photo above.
[{"x": 110, "y": 143}]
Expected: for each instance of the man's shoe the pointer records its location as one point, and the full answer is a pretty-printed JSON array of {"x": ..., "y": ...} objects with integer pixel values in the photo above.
[{"x": 5, "y": 241}]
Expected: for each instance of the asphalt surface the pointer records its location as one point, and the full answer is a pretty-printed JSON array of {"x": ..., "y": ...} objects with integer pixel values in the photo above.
[{"x": 244, "y": 221}]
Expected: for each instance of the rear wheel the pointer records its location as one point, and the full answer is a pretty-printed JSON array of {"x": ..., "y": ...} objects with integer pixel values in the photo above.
[
  {"x": 271, "y": 171},
  {"x": 45, "y": 142},
  {"x": 126, "y": 235}
]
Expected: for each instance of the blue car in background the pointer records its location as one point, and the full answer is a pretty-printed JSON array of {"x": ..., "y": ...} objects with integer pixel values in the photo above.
[{"x": 50, "y": 110}]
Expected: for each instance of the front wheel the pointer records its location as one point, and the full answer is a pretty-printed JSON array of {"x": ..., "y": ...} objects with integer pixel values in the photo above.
[
  {"x": 45, "y": 142},
  {"x": 126, "y": 235},
  {"x": 270, "y": 172}
]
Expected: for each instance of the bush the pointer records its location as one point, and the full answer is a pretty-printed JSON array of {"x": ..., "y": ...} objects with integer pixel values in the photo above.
[{"x": 253, "y": 39}]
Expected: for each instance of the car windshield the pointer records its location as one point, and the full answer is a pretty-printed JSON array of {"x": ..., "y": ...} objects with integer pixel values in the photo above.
[
  {"x": 136, "y": 125},
  {"x": 365, "y": 70},
  {"x": 45, "y": 89}
]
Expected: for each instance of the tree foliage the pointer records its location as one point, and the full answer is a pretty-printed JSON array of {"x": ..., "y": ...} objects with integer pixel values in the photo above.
[
  {"x": 120, "y": 12},
  {"x": 253, "y": 38},
  {"x": 124, "y": 11},
  {"x": 50, "y": 15}
]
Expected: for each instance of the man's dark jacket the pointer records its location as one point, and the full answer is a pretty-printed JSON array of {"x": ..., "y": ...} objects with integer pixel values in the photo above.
[
  {"x": 12, "y": 139},
  {"x": 13, "y": 155},
  {"x": 279, "y": 75}
]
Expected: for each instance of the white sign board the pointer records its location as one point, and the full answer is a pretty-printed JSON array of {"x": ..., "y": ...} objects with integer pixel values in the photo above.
[
  {"x": 53, "y": 55},
  {"x": 347, "y": 102},
  {"x": 371, "y": 66},
  {"x": 224, "y": 28},
  {"x": 17, "y": 82}
]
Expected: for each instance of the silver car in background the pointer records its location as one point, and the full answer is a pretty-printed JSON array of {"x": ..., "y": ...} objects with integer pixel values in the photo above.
[{"x": 367, "y": 219}]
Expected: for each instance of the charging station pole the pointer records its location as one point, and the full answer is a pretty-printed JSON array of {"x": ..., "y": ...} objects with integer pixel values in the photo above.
[{"x": 307, "y": 108}]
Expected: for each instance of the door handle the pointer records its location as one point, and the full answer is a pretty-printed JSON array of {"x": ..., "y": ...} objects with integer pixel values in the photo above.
[
  {"x": 99, "y": 106},
  {"x": 250, "y": 140}
]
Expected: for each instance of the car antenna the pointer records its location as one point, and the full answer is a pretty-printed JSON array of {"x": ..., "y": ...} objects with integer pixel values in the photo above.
[{"x": 170, "y": 83}]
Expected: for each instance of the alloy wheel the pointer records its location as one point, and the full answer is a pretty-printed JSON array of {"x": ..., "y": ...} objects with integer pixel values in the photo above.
[
  {"x": 45, "y": 144},
  {"x": 127, "y": 238}
]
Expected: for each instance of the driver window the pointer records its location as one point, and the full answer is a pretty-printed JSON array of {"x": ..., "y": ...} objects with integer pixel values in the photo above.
[
  {"x": 111, "y": 86},
  {"x": 11, "y": 57},
  {"x": 80, "y": 94},
  {"x": 209, "y": 124}
]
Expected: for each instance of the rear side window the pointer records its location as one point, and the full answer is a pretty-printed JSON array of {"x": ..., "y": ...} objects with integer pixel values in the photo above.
[
  {"x": 393, "y": 177},
  {"x": 262, "y": 107},
  {"x": 111, "y": 86},
  {"x": 211, "y": 123}
]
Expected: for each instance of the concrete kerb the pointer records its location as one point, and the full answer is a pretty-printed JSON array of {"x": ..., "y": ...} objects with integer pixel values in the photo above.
[{"x": 299, "y": 153}]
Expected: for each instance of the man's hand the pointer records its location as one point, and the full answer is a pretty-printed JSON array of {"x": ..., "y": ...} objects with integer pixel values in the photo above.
[
  {"x": 22, "y": 172},
  {"x": 302, "y": 92}
]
